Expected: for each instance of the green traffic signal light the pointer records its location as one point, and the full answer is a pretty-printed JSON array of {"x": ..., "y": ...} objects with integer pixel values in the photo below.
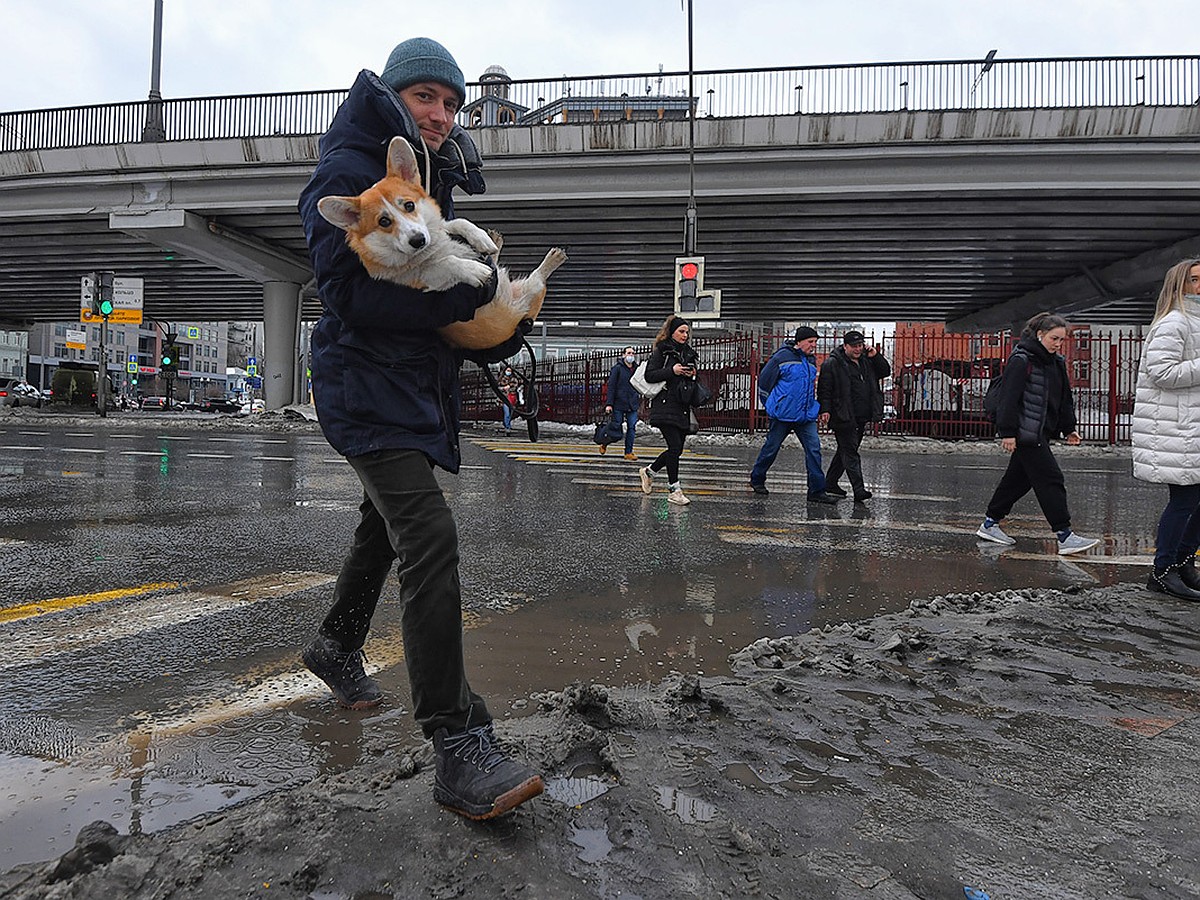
[
  {"x": 166, "y": 360},
  {"x": 106, "y": 307}
]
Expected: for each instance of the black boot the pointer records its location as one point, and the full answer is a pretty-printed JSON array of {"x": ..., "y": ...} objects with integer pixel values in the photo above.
[
  {"x": 475, "y": 778},
  {"x": 1169, "y": 581},
  {"x": 1188, "y": 572}
]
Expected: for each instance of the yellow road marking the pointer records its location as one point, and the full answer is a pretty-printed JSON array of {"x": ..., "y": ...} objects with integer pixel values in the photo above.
[{"x": 58, "y": 604}]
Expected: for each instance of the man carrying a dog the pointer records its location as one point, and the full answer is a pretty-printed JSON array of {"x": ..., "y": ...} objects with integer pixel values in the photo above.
[
  {"x": 851, "y": 397},
  {"x": 386, "y": 389}
]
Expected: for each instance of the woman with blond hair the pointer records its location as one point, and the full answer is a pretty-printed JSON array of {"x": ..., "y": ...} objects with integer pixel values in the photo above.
[{"x": 1166, "y": 428}]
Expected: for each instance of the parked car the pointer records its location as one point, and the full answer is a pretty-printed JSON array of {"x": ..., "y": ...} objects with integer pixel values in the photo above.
[
  {"x": 255, "y": 406},
  {"x": 221, "y": 405},
  {"x": 154, "y": 403},
  {"x": 15, "y": 392}
]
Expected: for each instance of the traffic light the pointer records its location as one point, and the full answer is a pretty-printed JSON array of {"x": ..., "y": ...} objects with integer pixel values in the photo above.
[
  {"x": 169, "y": 361},
  {"x": 103, "y": 304},
  {"x": 691, "y": 299}
]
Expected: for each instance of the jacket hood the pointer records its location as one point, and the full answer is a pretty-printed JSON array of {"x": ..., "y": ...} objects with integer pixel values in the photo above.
[
  {"x": 1036, "y": 349},
  {"x": 372, "y": 109}
]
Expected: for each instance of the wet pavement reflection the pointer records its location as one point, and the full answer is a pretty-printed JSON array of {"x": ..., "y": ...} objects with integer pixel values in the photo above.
[{"x": 160, "y": 581}]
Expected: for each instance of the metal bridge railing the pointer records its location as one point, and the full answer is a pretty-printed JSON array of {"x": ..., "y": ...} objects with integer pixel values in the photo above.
[{"x": 803, "y": 90}]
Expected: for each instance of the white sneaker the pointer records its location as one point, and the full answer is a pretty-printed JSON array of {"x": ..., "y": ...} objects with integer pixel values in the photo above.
[
  {"x": 676, "y": 496},
  {"x": 993, "y": 533},
  {"x": 647, "y": 480},
  {"x": 1073, "y": 543}
]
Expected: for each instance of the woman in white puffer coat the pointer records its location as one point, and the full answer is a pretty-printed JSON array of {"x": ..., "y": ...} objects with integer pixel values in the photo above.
[{"x": 1166, "y": 427}]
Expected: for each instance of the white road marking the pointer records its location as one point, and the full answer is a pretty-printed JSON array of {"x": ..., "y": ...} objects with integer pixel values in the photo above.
[
  {"x": 275, "y": 458},
  {"x": 211, "y": 455}
]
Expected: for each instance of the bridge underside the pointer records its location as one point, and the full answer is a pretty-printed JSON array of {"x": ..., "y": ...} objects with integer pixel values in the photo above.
[{"x": 976, "y": 236}]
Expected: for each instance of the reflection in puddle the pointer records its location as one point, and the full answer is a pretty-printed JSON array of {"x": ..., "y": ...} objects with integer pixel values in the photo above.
[
  {"x": 576, "y": 791},
  {"x": 691, "y": 810},
  {"x": 593, "y": 843},
  {"x": 805, "y": 778}
]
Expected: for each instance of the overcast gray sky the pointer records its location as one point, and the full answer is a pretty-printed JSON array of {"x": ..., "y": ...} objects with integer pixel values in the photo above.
[{"x": 74, "y": 52}]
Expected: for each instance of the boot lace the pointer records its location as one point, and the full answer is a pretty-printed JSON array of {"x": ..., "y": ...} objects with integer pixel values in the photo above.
[
  {"x": 353, "y": 664},
  {"x": 476, "y": 746}
]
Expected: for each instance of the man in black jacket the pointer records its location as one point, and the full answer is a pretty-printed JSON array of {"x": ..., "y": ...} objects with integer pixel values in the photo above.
[
  {"x": 850, "y": 396},
  {"x": 386, "y": 389}
]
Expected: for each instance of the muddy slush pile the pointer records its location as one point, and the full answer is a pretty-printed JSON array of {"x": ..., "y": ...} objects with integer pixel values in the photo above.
[{"x": 1026, "y": 744}]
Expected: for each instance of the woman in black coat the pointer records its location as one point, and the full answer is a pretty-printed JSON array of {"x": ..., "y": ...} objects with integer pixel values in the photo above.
[
  {"x": 673, "y": 361},
  {"x": 1035, "y": 406}
]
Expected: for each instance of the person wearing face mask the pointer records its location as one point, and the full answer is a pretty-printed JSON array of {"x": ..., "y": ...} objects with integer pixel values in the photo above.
[
  {"x": 623, "y": 401},
  {"x": 1166, "y": 428},
  {"x": 509, "y": 386},
  {"x": 1035, "y": 406}
]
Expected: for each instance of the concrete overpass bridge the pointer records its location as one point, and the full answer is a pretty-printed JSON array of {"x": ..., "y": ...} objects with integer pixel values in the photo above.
[{"x": 974, "y": 208}]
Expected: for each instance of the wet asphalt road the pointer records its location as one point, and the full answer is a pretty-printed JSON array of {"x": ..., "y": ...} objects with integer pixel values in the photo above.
[{"x": 159, "y": 578}]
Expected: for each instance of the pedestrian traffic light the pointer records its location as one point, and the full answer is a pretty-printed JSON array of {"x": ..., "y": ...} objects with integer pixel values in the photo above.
[{"x": 691, "y": 299}]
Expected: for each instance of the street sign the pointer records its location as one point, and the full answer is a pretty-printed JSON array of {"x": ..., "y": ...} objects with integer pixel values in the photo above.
[
  {"x": 193, "y": 332},
  {"x": 77, "y": 340},
  {"x": 127, "y": 300}
]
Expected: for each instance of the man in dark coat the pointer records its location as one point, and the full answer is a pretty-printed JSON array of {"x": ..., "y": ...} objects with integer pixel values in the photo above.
[
  {"x": 386, "y": 389},
  {"x": 851, "y": 397},
  {"x": 623, "y": 402}
]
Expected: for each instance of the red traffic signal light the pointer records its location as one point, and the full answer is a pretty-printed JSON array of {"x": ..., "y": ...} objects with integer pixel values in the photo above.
[{"x": 691, "y": 298}]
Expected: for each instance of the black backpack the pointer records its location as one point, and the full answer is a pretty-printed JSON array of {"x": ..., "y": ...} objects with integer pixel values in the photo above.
[{"x": 991, "y": 400}]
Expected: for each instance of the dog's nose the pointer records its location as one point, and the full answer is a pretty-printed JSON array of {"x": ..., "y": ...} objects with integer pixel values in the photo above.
[{"x": 417, "y": 241}]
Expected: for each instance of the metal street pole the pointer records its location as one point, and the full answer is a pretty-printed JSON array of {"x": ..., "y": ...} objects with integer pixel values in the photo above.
[
  {"x": 153, "y": 130},
  {"x": 689, "y": 231}
]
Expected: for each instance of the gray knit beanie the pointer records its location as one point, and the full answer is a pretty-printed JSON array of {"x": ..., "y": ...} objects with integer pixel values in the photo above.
[{"x": 422, "y": 59}]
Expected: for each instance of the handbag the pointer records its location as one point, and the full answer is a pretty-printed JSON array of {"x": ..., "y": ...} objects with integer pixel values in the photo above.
[
  {"x": 693, "y": 422},
  {"x": 692, "y": 394},
  {"x": 605, "y": 431},
  {"x": 647, "y": 389}
]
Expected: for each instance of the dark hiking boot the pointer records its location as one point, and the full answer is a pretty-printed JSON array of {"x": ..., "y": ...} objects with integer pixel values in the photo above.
[
  {"x": 835, "y": 490},
  {"x": 1188, "y": 572},
  {"x": 825, "y": 498},
  {"x": 475, "y": 778},
  {"x": 759, "y": 488},
  {"x": 343, "y": 672},
  {"x": 862, "y": 496},
  {"x": 1169, "y": 581}
]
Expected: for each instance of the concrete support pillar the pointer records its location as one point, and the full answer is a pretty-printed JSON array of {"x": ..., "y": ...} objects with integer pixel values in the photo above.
[{"x": 281, "y": 325}]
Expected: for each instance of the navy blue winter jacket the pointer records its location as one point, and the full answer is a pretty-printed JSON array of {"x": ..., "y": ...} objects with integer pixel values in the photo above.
[
  {"x": 621, "y": 394},
  {"x": 383, "y": 379},
  {"x": 788, "y": 382}
]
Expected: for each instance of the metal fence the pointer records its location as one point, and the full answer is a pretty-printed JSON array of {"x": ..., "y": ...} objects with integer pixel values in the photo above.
[
  {"x": 856, "y": 88},
  {"x": 936, "y": 388}
]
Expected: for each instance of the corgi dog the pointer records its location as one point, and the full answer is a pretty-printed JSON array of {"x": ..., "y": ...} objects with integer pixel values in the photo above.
[{"x": 398, "y": 233}]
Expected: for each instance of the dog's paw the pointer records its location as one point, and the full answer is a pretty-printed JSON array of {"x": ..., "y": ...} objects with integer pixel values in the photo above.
[
  {"x": 475, "y": 273},
  {"x": 497, "y": 238}
]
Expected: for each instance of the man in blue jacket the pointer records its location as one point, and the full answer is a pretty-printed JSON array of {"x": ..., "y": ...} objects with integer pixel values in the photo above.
[
  {"x": 386, "y": 389},
  {"x": 789, "y": 383}
]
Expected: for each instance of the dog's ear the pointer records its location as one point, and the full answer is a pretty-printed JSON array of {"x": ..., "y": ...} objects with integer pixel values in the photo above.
[
  {"x": 344, "y": 212},
  {"x": 401, "y": 161}
]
